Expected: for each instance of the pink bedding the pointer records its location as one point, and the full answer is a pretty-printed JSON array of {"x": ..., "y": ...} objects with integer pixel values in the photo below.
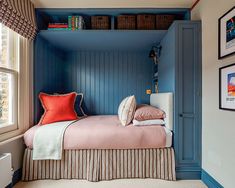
[{"x": 106, "y": 132}]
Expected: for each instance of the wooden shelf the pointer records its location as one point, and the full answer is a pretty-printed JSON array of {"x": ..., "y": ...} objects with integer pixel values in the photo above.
[{"x": 131, "y": 40}]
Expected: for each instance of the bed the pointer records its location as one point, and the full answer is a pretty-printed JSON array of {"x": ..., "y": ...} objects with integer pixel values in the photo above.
[{"x": 99, "y": 148}]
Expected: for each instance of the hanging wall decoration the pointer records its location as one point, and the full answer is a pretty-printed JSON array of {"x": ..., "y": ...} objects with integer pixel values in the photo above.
[
  {"x": 227, "y": 87},
  {"x": 227, "y": 34}
]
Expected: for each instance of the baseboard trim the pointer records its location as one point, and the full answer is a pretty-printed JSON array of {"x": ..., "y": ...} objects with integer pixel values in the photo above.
[
  {"x": 209, "y": 180},
  {"x": 188, "y": 175},
  {"x": 15, "y": 178}
]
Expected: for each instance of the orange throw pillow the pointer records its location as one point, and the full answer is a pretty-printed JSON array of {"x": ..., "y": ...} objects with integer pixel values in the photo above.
[{"x": 58, "y": 108}]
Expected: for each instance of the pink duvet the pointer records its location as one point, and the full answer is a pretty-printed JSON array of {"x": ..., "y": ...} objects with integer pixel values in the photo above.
[{"x": 106, "y": 132}]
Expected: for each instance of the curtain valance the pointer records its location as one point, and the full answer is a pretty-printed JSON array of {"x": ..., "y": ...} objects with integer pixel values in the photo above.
[{"x": 19, "y": 15}]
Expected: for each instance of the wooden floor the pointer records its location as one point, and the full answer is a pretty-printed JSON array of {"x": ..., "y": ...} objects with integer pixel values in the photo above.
[{"x": 124, "y": 183}]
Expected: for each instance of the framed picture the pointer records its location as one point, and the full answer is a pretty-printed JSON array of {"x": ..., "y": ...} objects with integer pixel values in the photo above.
[
  {"x": 227, "y": 87},
  {"x": 227, "y": 34}
]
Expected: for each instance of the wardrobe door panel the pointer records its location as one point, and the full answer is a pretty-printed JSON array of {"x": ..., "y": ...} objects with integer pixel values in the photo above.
[
  {"x": 189, "y": 100},
  {"x": 180, "y": 73}
]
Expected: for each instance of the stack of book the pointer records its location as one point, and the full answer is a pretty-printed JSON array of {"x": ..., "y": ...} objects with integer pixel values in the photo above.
[
  {"x": 74, "y": 23},
  {"x": 58, "y": 26}
]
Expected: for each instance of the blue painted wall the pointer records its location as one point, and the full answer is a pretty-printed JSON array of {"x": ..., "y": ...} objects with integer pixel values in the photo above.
[
  {"x": 48, "y": 72},
  {"x": 166, "y": 67},
  {"x": 106, "y": 77}
]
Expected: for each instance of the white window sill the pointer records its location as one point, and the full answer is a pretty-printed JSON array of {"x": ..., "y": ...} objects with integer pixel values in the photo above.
[{"x": 11, "y": 139}]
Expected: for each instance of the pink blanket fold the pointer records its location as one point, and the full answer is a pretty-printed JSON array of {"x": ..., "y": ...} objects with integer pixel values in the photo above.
[{"x": 106, "y": 132}]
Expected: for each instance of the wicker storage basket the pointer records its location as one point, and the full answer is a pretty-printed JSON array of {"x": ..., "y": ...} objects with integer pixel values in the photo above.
[
  {"x": 100, "y": 22},
  {"x": 146, "y": 21},
  {"x": 163, "y": 22},
  {"x": 126, "y": 22}
]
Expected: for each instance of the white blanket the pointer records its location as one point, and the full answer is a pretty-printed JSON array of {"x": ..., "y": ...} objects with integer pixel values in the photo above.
[{"x": 48, "y": 141}]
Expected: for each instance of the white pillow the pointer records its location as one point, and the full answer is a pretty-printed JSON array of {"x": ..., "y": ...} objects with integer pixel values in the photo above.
[
  {"x": 149, "y": 122},
  {"x": 126, "y": 110}
]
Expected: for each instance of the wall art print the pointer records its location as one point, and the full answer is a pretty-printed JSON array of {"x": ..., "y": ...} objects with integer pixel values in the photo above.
[
  {"x": 227, "y": 87},
  {"x": 227, "y": 34}
]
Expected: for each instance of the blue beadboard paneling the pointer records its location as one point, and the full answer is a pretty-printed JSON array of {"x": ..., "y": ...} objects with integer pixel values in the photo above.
[
  {"x": 106, "y": 77},
  {"x": 48, "y": 72}
]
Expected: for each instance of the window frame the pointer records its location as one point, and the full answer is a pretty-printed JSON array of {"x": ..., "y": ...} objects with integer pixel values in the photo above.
[
  {"x": 12, "y": 58},
  {"x": 14, "y": 87},
  {"x": 24, "y": 86}
]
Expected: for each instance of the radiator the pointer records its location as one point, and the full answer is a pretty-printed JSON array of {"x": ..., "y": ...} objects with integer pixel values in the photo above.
[{"x": 5, "y": 169}]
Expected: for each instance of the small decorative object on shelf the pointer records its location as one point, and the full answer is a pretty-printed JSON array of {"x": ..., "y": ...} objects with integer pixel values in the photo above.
[
  {"x": 156, "y": 87},
  {"x": 126, "y": 22},
  {"x": 155, "y": 53},
  {"x": 163, "y": 22},
  {"x": 100, "y": 22},
  {"x": 227, "y": 34},
  {"x": 227, "y": 87},
  {"x": 146, "y": 21},
  {"x": 155, "y": 78}
]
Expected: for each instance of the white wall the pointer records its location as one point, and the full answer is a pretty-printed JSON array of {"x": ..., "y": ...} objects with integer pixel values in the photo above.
[
  {"x": 16, "y": 148},
  {"x": 218, "y": 126}
]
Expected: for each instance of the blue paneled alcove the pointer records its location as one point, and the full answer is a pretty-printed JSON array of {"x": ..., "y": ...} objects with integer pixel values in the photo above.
[{"x": 108, "y": 65}]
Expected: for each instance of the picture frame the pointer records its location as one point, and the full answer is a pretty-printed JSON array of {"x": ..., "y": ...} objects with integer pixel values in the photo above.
[
  {"x": 227, "y": 87},
  {"x": 226, "y": 34}
]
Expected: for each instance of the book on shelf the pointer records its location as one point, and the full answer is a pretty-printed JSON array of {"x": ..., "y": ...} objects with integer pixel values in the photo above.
[
  {"x": 58, "y": 29},
  {"x": 76, "y": 22},
  {"x": 57, "y": 25},
  {"x": 70, "y": 22},
  {"x": 73, "y": 23}
]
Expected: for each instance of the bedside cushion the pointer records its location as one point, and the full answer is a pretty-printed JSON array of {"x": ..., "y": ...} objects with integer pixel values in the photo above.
[
  {"x": 126, "y": 110},
  {"x": 57, "y": 108},
  {"x": 147, "y": 112}
]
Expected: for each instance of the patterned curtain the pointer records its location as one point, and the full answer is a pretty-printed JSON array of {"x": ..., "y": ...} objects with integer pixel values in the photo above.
[{"x": 19, "y": 15}]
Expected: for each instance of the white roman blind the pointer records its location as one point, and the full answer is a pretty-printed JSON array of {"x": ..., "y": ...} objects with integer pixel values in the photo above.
[{"x": 19, "y": 15}]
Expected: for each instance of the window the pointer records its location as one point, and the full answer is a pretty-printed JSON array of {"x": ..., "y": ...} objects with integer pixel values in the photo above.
[{"x": 9, "y": 70}]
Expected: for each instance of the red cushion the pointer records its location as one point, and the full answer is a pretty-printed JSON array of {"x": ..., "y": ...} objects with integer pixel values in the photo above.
[{"x": 58, "y": 108}]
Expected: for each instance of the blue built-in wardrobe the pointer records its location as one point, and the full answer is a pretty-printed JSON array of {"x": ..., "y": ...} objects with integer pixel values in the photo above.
[
  {"x": 108, "y": 65},
  {"x": 179, "y": 72}
]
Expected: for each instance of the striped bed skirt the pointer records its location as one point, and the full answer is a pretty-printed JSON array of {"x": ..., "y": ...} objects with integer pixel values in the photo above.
[{"x": 100, "y": 164}]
